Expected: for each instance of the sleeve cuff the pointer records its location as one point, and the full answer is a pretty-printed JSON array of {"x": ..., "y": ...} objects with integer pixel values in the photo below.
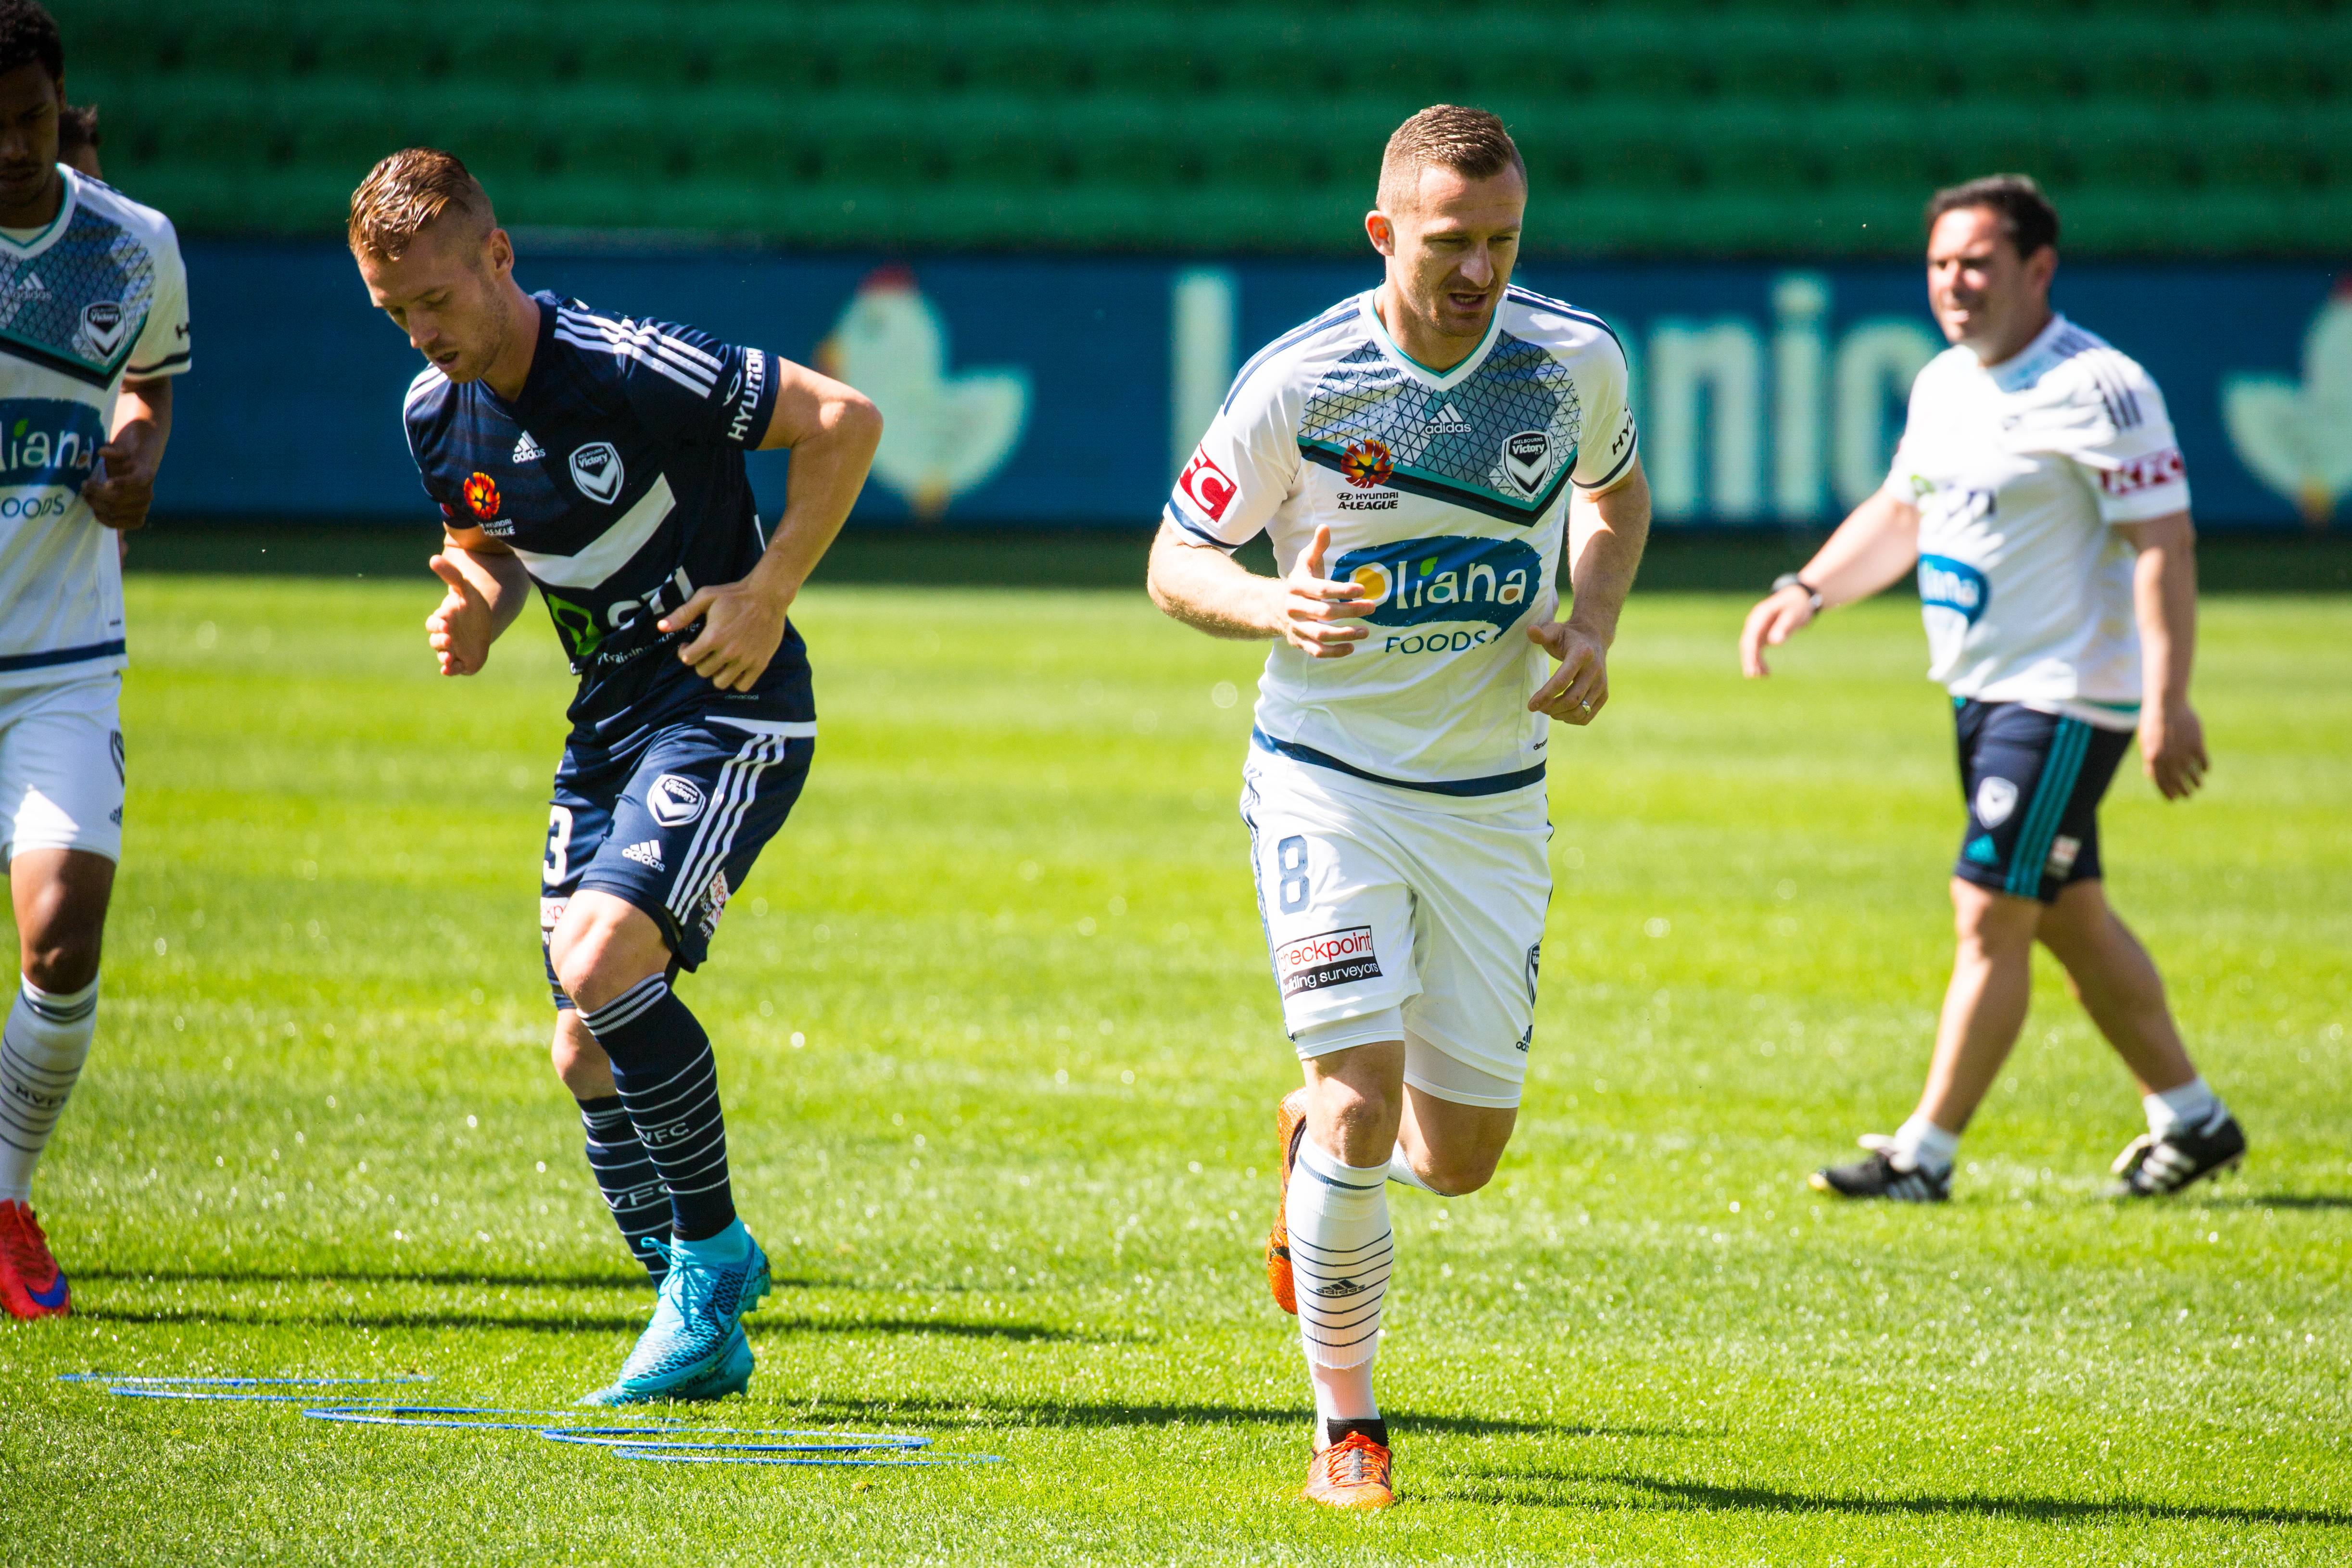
[
  {"x": 1199, "y": 535},
  {"x": 171, "y": 364},
  {"x": 1616, "y": 475}
]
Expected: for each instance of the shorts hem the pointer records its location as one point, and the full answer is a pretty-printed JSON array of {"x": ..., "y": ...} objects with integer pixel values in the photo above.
[
  {"x": 672, "y": 936},
  {"x": 14, "y": 847},
  {"x": 1993, "y": 881},
  {"x": 1292, "y": 1021},
  {"x": 1457, "y": 1097}
]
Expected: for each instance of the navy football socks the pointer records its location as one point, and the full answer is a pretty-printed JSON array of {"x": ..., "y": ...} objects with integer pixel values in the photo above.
[
  {"x": 633, "y": 1189},
  {"x": 670, "y": 1084}
]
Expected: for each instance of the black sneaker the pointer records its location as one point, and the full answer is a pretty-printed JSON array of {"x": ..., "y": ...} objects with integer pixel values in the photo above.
[
  {"x": 2151, "y": 1166},
  {"x": 1880, "y": 1177}
]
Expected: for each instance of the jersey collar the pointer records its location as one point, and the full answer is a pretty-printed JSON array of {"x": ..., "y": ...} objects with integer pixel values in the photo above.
[
  {"x": 25, "y": 250},
  {"x": 1444, "y": 381},
  {"x": 2026, "y": 366}
]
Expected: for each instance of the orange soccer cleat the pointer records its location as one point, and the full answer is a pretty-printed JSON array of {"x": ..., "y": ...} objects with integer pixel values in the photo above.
[
  {"x": 1351, "y": 1473},
  {"x": 1290, "y": 1127},
  {"x": 31, "y": 1285}
]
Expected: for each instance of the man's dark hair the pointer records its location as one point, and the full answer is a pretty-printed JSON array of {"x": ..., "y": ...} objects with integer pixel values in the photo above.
[
  {"x": 77, "y": 129},
  {"x": 29, "y": 36},
  {"x": 2026, "y": 215}
]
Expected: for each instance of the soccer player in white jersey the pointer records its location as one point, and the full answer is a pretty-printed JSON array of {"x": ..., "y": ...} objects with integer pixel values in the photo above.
[
  {"x": 1411, "y": 454},
  {"x": 95, "y": 326},
  {"x": 2039, "y": 490}
]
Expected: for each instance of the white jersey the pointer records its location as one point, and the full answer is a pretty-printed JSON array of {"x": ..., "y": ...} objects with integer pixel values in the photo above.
[
  {"x": 2018, "y": 470},
  {"x": 98, "y": 295},
  {"x": 1445, "y": 495}
]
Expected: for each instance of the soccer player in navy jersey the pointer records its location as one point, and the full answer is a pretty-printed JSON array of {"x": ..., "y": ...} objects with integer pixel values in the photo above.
[{"x": 601, "y": 458}]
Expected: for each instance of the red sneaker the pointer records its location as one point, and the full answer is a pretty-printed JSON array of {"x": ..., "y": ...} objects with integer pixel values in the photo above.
[
  {"x": 1289, "y": 1126},
  {"x": 31, "y": 1284}
]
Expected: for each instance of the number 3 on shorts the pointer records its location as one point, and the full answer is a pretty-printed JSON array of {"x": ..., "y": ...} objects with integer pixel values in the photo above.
[
  {"x": 1290, "y": 860},
  {"x": 558, "y": 846}
]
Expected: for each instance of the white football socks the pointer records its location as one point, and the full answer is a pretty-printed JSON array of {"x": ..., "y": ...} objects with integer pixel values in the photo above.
[
  {"x": 1340, "y": 1248},
  {"x": 1920, "y": 1145},
  {"x": 1401, "y": 1170},
  {"x": 2191, "y": 1107},
  {"x": 42, "y": 1048}
]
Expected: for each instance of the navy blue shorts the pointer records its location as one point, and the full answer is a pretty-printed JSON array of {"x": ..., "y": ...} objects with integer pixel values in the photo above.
[
  {"x": 669, "y": 820},
  {"x": 2033, "y": 782}
]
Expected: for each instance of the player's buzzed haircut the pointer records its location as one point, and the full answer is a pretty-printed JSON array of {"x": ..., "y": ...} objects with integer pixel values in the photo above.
[
  {"x": 407, "y": 193},
  {"x": 29, "y": 36},
  {"x": 2026, "y": 213},
  {"x": 1470, "y": 142}
]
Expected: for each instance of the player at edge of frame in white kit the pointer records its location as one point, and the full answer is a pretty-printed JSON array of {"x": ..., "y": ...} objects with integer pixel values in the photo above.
[
  {"x": 2040, "y": 491},
  {"x": 1411, "y": 454},
  {"x": 88, "y": 352}
]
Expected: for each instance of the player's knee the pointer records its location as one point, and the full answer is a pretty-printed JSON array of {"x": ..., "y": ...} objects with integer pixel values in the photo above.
[
  {"x": 1456, "y": 1176},
  {"x": 1994, "y": 922},
  {"x": 1362, "y": 1118},
  {"x": 62, "y": 957},
  {"x": 580, "y": 1061}
]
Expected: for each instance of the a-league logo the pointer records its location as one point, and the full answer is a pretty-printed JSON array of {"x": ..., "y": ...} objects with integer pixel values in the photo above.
[
  {"x": 482, "y": 496},
  {"x": 1368, "y": 463}
]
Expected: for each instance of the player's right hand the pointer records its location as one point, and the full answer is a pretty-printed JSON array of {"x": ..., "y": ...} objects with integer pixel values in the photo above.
[
  {"x": 1776, "y": 618},
  {"x": 1312, "y": 606},
  {"x": 461, "y": 627}
]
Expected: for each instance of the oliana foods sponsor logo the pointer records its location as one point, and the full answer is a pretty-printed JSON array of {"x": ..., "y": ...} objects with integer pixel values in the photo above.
[
  {"x": 1419, "y": 582},
  {"x": 48, "y": 441}
]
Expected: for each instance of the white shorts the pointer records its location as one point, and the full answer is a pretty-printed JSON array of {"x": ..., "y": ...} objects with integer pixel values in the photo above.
[
  {"x": 61, "y": 767},
  {"x": 1377, "y": 898}
]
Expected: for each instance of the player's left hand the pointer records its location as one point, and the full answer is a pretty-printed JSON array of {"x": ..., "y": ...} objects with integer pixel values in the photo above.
[
  {"x": 742, "y": 628},
  {"x": 123, "y": 486},
  {"x": 2172, "y": 749},
  {"x": 1578, "y": 689}
]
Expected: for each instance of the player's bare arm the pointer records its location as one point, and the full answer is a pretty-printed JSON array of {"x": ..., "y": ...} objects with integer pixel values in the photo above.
[
  {"x": 1872, "y": 549},
  {"x": 487, "y": 588},
  {"x": 1606, "y": 533},
  {"x": 831, "y": 430},
  {"x": 2164, "y": 602},
  {"x": 124, "y": 487},
  {"x": 1207, "y": 589}
]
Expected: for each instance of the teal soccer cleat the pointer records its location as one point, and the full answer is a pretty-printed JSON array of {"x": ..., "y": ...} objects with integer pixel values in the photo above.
[{"x": 695, "y": 1347}]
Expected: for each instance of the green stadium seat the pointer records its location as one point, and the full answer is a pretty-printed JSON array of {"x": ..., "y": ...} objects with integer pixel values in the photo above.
[{"x": 1723, "y": 127}]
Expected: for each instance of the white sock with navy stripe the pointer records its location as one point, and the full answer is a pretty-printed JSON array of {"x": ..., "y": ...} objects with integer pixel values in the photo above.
[
  {"x": 1340, "y": 1249},
  {"x": 668, "y": 1080},
  {"x": 42, "y": 1048}
]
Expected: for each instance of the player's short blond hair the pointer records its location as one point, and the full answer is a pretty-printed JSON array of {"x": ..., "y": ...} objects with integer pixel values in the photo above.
[
  {"x": 1470, "y": 142},
  {"x": 407, "y": 193}
]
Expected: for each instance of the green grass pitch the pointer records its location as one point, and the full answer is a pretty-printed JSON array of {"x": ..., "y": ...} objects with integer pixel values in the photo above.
[{"x": 1001, "y": 1056}]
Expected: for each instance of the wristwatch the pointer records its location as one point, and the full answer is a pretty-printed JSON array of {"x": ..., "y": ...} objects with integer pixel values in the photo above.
[{"x": 1790, "y": 580}]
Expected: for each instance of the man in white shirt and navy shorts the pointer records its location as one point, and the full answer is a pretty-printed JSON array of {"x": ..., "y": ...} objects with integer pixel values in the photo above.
[
  {"x": 2040, "y": 492},
  {"x": 1411, "y": 454},
  {"x": 96, "y": 329}
]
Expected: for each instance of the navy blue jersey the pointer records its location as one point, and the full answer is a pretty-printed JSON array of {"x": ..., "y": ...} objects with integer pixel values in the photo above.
[{"x": 617, "y": 476}]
